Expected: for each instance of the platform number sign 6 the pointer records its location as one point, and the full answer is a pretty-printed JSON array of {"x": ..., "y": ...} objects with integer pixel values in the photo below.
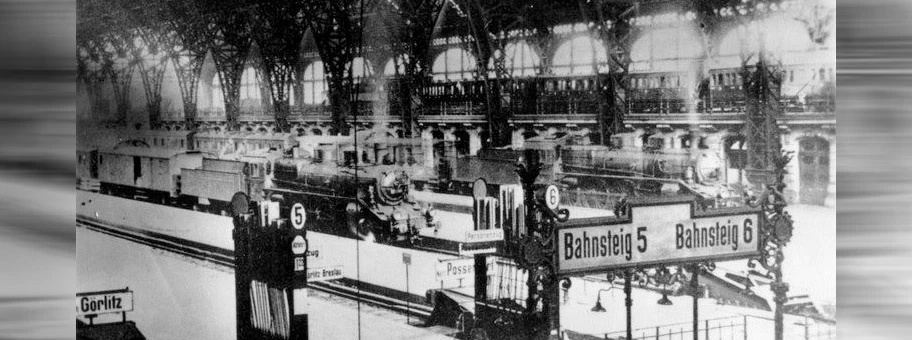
[
  {"x": 552, "y": 197},
  {"x": 298, "y": 216}
]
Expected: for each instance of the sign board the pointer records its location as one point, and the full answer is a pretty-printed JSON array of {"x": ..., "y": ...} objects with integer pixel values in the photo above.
[
  {"x": 299, "y": 264},
  {"x": 486, "y": 235},
  {"x": 552, "y": 197},
  {"x": 299, "y": 245},
  {"x": 479, "y": 189},
  {"x": 456, "y": 269},
  {"x": 298, "y": 216},
  {"x": 407, "y": 258},
  {"x": 324, "y": 273},
  {"x": 657, "y": 234},
  {"x": 115, "y": 301}
]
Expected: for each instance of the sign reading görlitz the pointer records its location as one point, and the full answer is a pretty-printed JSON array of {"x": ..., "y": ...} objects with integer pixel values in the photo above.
[
  {"x": 115, "y": 301},
  {"x": 654, "y": 234}
]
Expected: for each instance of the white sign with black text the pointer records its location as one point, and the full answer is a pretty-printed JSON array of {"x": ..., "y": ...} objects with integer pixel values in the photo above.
[
  {"x": 324, "y": 273},
  {"x": 485, "y": 235},
  {"x": 456, "y": 269},
  {"x": 656, "y": 234},
  {"x": 104, "y": 302},
  {"x": 298, "y": 245},
  {"x": 298, "y": 216}
]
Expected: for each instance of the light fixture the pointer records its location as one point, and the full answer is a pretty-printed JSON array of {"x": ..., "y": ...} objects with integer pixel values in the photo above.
[
  {"x": 598, "y": 301},
  {"x": 664, "y": 300}
]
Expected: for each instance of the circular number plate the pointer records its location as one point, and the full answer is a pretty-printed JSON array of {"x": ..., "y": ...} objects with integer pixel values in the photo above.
[
  {"x": 552, "y": 197},
  {"x": 299, "y": 245},
  {"x": 298, "y": 216},
  {"x": 479, "y": 189}
]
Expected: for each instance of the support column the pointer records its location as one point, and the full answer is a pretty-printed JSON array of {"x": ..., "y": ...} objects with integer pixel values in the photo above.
[
  {"x": 474, "y": 142},
  {"x": 449, "y": 142},
  {"x": 830, "y": 200},
  {"x": 695, "y": 290},
  {"x": 792, "y": 180},
  {"x": 676, "y": 139},
  {"x": 628, "y": 302},
  {"x": 427, "y": 146},
  {"x": 638, "y": 138},
  {"x": 517, "y": 140}
]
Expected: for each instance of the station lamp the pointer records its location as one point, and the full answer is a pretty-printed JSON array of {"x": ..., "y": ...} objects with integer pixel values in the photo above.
[
  {"x": 598, "y": 301},
  {"x": 665, "y": 301}
]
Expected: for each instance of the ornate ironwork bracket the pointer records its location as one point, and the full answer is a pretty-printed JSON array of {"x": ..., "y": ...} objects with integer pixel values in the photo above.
[
  {"x": 775, "y": 234},
  {"x": 537, "y": 250}
]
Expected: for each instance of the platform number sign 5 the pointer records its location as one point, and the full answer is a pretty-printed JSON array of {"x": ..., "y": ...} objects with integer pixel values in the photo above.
[
  {"x": 552, "y": 197},
  {"x": 298, "y": 216}
]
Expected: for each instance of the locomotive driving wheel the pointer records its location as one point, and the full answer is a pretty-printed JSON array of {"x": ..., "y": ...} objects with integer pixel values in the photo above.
[
  {"x": 383, "y": 236},
  {"x": 464, "y": 323},
  {"x": 478, "y": 334}
]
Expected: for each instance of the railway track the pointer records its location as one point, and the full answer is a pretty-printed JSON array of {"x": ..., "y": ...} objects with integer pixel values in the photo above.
[{"x": 225, "y": 257}]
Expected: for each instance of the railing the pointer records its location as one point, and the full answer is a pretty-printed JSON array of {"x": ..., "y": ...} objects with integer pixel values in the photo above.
[
  {"x": 730, "y": 328},
  {"x": 549, "y": 97},
  {"x": 743, "y": 327},
  {"x": 210, "y": 114}
]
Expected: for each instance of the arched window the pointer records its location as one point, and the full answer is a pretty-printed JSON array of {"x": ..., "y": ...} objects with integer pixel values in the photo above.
[
  {"x": 360, "y": 69},
  {"x": 736, "y": 152},
  {"x": 520, "y": 60},
  {"x": 250, "y": 86},
  {"x": 314, "y": 81},
  {"x": 667, "y": 44},
  {"x": 454, "y": 64},
  {"x": 216, "y": 99},
  {"x": 389, "y": 69},
  {"x": 579, "y": 56},
  {"x": 780, "y": 35}
]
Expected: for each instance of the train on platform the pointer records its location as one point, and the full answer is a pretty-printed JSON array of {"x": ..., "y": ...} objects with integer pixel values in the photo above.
[
  {"x": 369, "y": 200},
  {"x": 583, "y": 169},
  {"x": 254, "y": 162}
]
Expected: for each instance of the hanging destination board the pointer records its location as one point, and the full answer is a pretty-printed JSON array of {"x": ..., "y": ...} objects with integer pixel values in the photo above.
[{"x": 665, "y": 233}]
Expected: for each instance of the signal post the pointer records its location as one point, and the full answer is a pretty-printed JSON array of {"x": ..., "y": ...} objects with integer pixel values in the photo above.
[{"x": 270, "y": 270}]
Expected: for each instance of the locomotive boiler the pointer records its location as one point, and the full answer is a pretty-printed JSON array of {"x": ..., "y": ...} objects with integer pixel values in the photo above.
[{"x": 366, "y": 202}]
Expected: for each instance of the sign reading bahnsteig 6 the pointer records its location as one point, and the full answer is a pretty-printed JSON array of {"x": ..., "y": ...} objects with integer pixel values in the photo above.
[{"x": 666, "y": 233}]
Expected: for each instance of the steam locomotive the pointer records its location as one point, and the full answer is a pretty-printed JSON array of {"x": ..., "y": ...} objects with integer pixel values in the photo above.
[
  {"x": 566, "y": 160},
  {"x": 369, "y": 202}
]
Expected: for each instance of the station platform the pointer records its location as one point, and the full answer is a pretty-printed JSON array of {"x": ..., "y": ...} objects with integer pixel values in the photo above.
[
  {"x": 108, "y": 331},
  {"x": 177, "y": 297}
]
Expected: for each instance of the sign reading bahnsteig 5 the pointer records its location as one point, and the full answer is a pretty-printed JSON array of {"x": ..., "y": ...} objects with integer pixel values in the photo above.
[{"x": 666, "y": 233}]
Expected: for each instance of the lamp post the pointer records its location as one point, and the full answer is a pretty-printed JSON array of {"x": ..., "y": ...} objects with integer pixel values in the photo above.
[
  {"x": 775, "y": 234},
  {"x": 532, "y": 245}
]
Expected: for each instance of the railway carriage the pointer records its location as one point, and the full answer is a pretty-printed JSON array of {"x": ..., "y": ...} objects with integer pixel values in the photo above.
[{"x": 153, "y": 174}]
